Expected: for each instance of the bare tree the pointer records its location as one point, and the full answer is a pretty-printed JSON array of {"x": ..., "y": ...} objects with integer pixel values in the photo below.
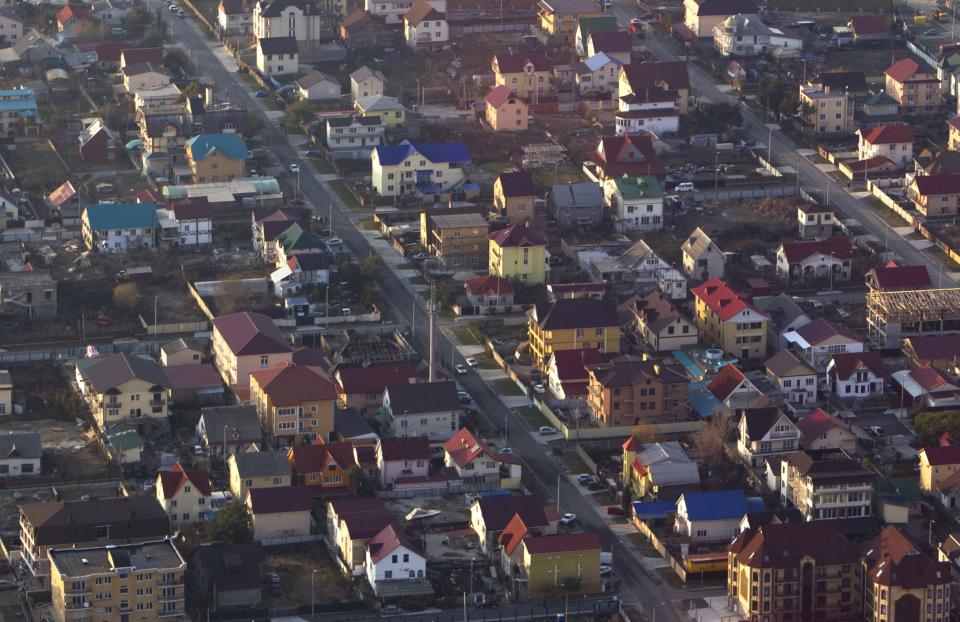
[
  {"x": 233, "y": 297},
  {"x": 710, "y": 442}
]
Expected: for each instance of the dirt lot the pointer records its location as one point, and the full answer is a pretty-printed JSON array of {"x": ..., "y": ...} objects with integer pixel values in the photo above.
[
  {"x": 67, "y": 450},
  {"x": 296, "y": 564},
  {"x": 872, "y": 61}
]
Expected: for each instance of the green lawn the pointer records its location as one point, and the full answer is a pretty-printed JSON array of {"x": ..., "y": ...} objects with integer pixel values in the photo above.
[
  {"x": 324, "y": 167},
  {"x": 465, "y": 335},
  {"x": 640, "y": 541},
  {"x": 341, "y": 190},
  {"x": 485, "y": 361},
  {"x": 534, "y": 417},
  {"x": 573, "y": 461},
  {"x": 505, "y": 386}
]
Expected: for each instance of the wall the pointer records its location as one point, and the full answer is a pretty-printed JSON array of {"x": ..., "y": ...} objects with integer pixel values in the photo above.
[{"x": 661, "y": 548}]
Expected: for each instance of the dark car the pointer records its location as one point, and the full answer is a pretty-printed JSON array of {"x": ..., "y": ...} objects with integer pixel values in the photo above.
[{"x": 261, "y": 94}]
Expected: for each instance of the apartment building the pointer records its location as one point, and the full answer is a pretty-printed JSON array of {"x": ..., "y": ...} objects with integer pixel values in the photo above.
[
  {"x": 459, "y": 241},
  {"x": 825, "y": 111},
  {"x": 629, "y": 391},
  {"x": 411, "y": 168},
  {"x": 294, "y": 403},
  {"x": 572, "y": 324},
  {"x": 826, "y": 484},
  {"x": 729, "y": 321},
  {"x": 916, "y": 91}
]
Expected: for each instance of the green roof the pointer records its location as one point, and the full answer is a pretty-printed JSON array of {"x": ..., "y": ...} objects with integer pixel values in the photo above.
[
  {"x": 124, "y": 439},
  {"x": 590, "y": 25},
  {"x": 907, "y": 487},
  {"x": 640, "y": 187},
  {"x": 230, "y": 145},
  {"x": 122, "y": 215},
  {"x": 295, "y": 238}
]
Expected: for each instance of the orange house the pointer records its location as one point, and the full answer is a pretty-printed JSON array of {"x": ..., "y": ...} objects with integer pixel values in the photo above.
[
  {"x": 326, "y": 465},
  {"x": 505, "y": 112}
]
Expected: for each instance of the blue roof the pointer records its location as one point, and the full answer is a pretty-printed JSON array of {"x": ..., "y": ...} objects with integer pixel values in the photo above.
[
  {"x": 703, "y": 401},
  {"x": 716, "y": 505},
  {"x": 230, "y": 145},
  {"x": 428, "y": 188},
  {"x": 436, "y": 153},
  {"x": 17, "y": 104},
  {"x": 654, "y": 509},
  {"x": 122, "y": 215}
]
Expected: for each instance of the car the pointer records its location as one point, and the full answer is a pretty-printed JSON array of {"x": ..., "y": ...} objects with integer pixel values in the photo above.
[
  {"x": 876, "y": 430},
  {"x": 294, "y": 168},
  {"x": 584, "y": 478},
  {"x": 487, "y": 604},
  {"x": 507, "y": 450},
  {"x": 546, "y": 430},
  {"x": 345, "y": 311},
  {"x": 275, "y": 590},
  {"x": 313, "y": 154},
  {"x": 7, "y": 585},
  {"x": 685, "y": 186},
  {"x": 636, "y": 25},
  {"x": 199, "y": 450},
  {"x": 334, "y": 241},
  {"x": 568, "y": 519},
  {"x": 461, "y": 369},
  {"x": 261, "y": 94},
  {"x": 539, "y": 388},
  {"x": 273, "y": 578},
  {"x": 472, "y": 362},
  {"x": 931, "y": 32},
  {"x": 605, "y": 570},
  {"x": 148, "y": 487},
  {"x": 181, "y": 13}
]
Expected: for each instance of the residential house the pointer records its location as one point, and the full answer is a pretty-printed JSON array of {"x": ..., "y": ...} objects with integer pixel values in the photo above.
[
  {"x": 301, "y": 269},
  {"x": 294, "y": 403},
  {"x": 576, "y": 204},
  {"x": 429, "y": 410},
  {"x": 868, "y": 28},
  {"x": 120, "y": 227},
  {"x": 393, "y": 557},
  {"x": 891, "y": 141},
  {"x": 145, "y": 77},
  {"x": 953, "y": 129},
  {"x": 526, "y": 74},
  {"x": 660, "y": 325},
  {"x": 234, "y": 17},
  {"x": 821, "y": 340},
  {"x": 194, "y": 384},
  {"x": 459, "y": 241},
  {"x": 398, "y": 170},
  {"x": 652, "y": 96},
  {"x": 354, "y": 136},
  {"x": 124, "y": 386},
  {"x": 935, "y": 195},
  {"x": 297, "y": 240},
  {"x": 479, "y": 465},
  {"x": 361, "y": 387},
  {"x": 560, "y": 561},
  {"x": 425, "y": 24},
  {"x": 702, "y": 16},
  {"x": 490, "y": 515},
  {"x": 891, "y": 277},
  {"x": 796, "y": 380},
  {"x": 733, "y": 390},
  {"x": 400, "y": 458},
  {"x": 937, "y": 464},
  {"x": 825, "y": 110},
  {"x": 245, "y": 342},
  {"x": 598, "y": 74},
  {"x": 745, "y": 35},
  {"x": 326, "y": 465},
  {"x": 819, "y": 430},
  {"x": 518, "y": 254},
  {"x": 616, "y": 45},
  {"x": 826, "y": 484},
  {"x": 86, "y": 523},
  {"x": 630, "y": 391},
  {"x": 216, "y": 157},
  {"x": 917, "y": 91},
  {"x": 318, "y": 86},
  {"x": 252, "y": 469},
  {"x": 811, "y": 261},
  {"x": 560, "y": 18},
  {"x": 764, "y": 433},
  {"x": 567, "y": 374},
  {"x": 226, "y": 430},
  {"x": 657, "y": 470},
  {"x": 97, "y": 143},
  {"x": 366, "y": 82},
  {"x": 19, "y": 115},
  {"x": 712, "y": 516},
  {"x": 71, "y": 19},
  {"x": 351, "y": 523},
  {"x": 636, "y": 203},
  {"x": 927, "y": 387},
  {"x": 729, "y": 321},
  {"x": 130, "y": 56},
  {"x": 361, "y": 30},
  {"x": 702, "y": 259},
  {"x": 11, "y": 27},
  {"x": 266, "y": 225},
  {"x": 489, "y": 295},
  {"x": 232, "y": 573},
  {"x": 277, "y": 56},
  {"x": 281, "y": 514},
  {"x": 856, "y": 374},
  {"x": 184, "y": 494},
  {"x": 572, "y": 324},
  {"x": 513, "y": 197},
  {"x": 194, "y": 219},
  {"x": 630, "y": 154},
  {"x": 6, "y": 392},
  {"x": 388, "y": 109},
  {"x": 30, "y": 295},
  {"x": 941, "y": 351},
  {"x": 785, "y": 317},
  {"x": 504, "y": 111},
  {"x": 589, "y": 25},
  {"x": 20, "y": 452},
  {"x": 300, "y": 20}
]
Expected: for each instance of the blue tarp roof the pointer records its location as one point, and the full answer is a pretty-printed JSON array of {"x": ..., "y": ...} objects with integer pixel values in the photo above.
[
  {"x": 436, "y": 153},
  {"x": 654, "y": 509},
  {"x": 122, "y": 215},
  {"x": 230, "y": 145},
  {"x": 704, "y": 402},
  {"x": 719, "y": 504}
]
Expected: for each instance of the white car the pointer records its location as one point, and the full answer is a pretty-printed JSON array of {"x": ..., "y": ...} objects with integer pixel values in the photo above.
[
  {"x": 568, "y": 519},
  {"x": 605, "y": 570},
  {"x": 294, "y": 168},
  {"x": 547, "y": 430},
  {"x": 472, "y": 362},
  {"x": 584, "y": 478},
  {"x": 460, "y": 369},
  {"x": 539, "y": 388},
  {"x": 685, "y": 187}
]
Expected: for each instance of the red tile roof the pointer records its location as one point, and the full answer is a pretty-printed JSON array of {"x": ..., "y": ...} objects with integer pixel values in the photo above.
[
  {"x": 821, "y": 329},
  {"x": 316, "y": 458},
  {"x": 845, "y": 364},
  {"x": 893, "y": 559},
  {"x": 69, "y": 12},
  {"x": 571, "y": 364},
  {"x": 463, "y": 448},
  {"x": 891, "y": 276},
  {"x": 902, "y": 70},
  {"x": 498, "y": 95},
  {"x": 193, "y": 209},
  {"x": 938, "y": 456},
  {"x": 870, "y": 24},
  {"x": 930, "y": 378},
  {"x": 290, "y": 385},
  {"x": 135, "y": 56},
  {"x": 818, "y": 423},
  {"x": 513, "y": 534},
  {"x": 871, "y": 164},
  {"x": 562, "y": 542},
  {"x": 171, "y": 481},
  {"x": 149, "y": 195},
  {"x": 889, "y": 134},
  {"x": 250, "y": 333},
  {"x": 517, "y": 184},
  {"x": 517, "y": 236},
  {"x": 388, "y": 540},
  {"x": 837, "y": 246},
  {"x": 726, "y": 382},
  {"x": 722, "y": 299},
  {"x": 373, "y": 378},
  {"x": 933, "y": 185},
  {"x": 405, "y": 448},
  {"x": 489, "y": 285}
]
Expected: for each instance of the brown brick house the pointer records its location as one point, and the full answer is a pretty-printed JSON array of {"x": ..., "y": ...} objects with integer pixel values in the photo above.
[{"x": 628, "y": 391}]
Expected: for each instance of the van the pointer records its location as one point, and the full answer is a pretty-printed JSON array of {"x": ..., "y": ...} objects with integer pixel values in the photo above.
[{"x": 686, "y": 186}]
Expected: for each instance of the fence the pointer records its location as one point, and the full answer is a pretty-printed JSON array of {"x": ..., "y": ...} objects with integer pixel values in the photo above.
[
  {"x": 776, "y": 189},
  {"x": 622, "y": 431},
  {"x": 78, "y": 352},
  {"x": 174, "y": 327},
  {"x": 263, "y": 613},
  {"x": 21, "y": 483},
  {"x": 661, "y": 548}
]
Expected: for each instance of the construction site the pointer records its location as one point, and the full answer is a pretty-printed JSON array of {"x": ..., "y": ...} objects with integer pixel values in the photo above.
[{"x": 896, "y": 315}]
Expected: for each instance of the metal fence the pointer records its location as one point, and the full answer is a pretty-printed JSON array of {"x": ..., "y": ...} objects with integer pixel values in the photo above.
[{"x": 77, "y": 352}]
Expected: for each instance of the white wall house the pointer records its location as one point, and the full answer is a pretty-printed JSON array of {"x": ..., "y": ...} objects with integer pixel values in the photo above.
[
  {"x": 765, "y": 432},
  {"x": 796, "y": 379},
  {"x": 747, "y": 35},
  {"x": 298, "y": 19},
  {"x": 20, "y": 454},
  {"x": 711, "y": 516},
  {"x": 397, "y": 170},
  {"x": 392, "y": 11},
  {"x": 598, "y": 74},
  {"x": 658, "y": 117},
  {"x": 402, "y": 457},
  {"x": 822, "y": 339},
  {"x": 354, "y": 136},
  {"x": 891, "y": 141},
  {"x": 184, "y": 495},
  {"x": 392, "y": 557},
  {"x": 429, "y": 409},
  {"x": 856, "y": 375},
  {"x": 278, "y": 56},
  {"x": 636, "y": 203},
  {"x": 425, "y": 24}
]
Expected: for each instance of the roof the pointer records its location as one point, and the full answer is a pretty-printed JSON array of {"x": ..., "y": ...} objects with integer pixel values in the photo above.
[
  {"x": 195, "y": 208},
  {"x": 405, "y": 448},
  {"x": 893, "y": 559},
  {"x": 278, "y": 45},
  {"x": 784, "y": 362},
  {"x": 114, "y": 558},
  {"x": 192, "y": 376},
  {"x": 24, "y": 445},
  {"x": 283, "y": 499},
  {"x": 889, "y": 134},
  {"x": 837, "y": 246},
  {"x": 611, "y": 42},
  {"x": 784, "y": 545},
  {"x": 939, "y": 456},
  {"x": 638, "y": 187},
  {"x": 515, "y": 63},
  {"x": 299, "y": 237},
  {"x": 123, "y": 438},
  {"x": 697, "y": 243},
  {"x": 463, "y": 448},
  {"x": 759, "y": 421},
  {"x": 715, "y": 505},
  {"x": 726, "y": 381},
  {"x": 248, "y": 333},
  {"x": 517, "y": 236},
  {"x": 230, "y": 145},
  {"x": 423, "y": 397},
  {"x": 135, "y": 56},
  {"x": 422, "y": 10},
  {"x": 378, "y": 103},
  {"x": 722, "y": 299},
  {"x": 604, "y": 23},
  {"x": 357, "y": 20},
  {"x": 498, "y": 95},
  {"x": 353, "y": 119},
  {"x": 173, "y": 480},
  {"x": 627, "y": 370},
  {"x": 870, "y": 24},
  {"x": 62, "y": 194},
  {"x": 290, "y": 385},
  {"x": 68, "y": 522},
  {"x": 892, "y": 276},
  {"x": 570, "y": 6},
  {"x": 846, "y": 363},
  {"x": 663, "y": 75},
  {"x": 241, "y": 423},
  {"x": 562, "y": 542},
  {"x": 365, "y": 72},
  {"x": 667, "y": 464},
  {"x": 72, "y": 11},
  {"x": 436, "y": 153},
  {"x": 584, "y": 194},
  {"x": 597, "y": 61},
  {"x": 262, "y": 464},
  {"x": 348, "y": 423},
  {"x": 902, "y": 70},
  {"x": 309, "y": 261},
  {"x": 315, "y": 77},
  {"x": 142, "y": 68},
  {"x": 230, "y": 567},
  {"x": 822, "y": 329},
  {"x": 234, "y": 7},
  {"x": 489, "y": 285},
  {"x": 513, "y": 534},
  {"x": 496, "y": 512},
  {"x": 933, "y": 347},
  {"x": 725, "y": 7},
  {"x": 828, "y": 466},
  {"x": 816, "y": 208},
  {"x": 516, "y": 184},
  {"x": 932, "y": 185},
  {"x": 122, "y": 215},
  {"x": 108, "y": 373},
  {"x": 818, "y": 423},
  {"x": 317, "y": 458},
  {"x": 567, "y": 313},
  {"x": 388, "y": 540},
  {"x": 373, "y": 377},
  {"x": 572, "y": 365},
  {"x": 656, "y": 310}
]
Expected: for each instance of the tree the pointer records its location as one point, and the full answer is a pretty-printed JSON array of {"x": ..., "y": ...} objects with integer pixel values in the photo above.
[
  {"x": 361, "y": 277},
  {"x": 230, "y": 525},
  {"x": 127, "y": 296},
  {"x": 138, "y": 19},
  {"x": 645, "y": 433},
  {"x": 447, "y": 293},
  {"x": 360, "y": 485},
  {"x": 155, "y": 35},
  {"x": 233, "y": 297},
  {"x": 89, "y": 30},
  {"x": 300, "y": 113},
  {"x": 191, "y": 90},
  {"x": 931, "y": 425},
  {"x": 710, "y": 442}
]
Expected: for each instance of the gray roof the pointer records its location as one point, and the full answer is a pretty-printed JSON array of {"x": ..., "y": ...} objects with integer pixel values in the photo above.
[
  {"x": 365, "y": 72},
  {"x": 453, "y": 221},
  {"x": 696, "y": 244},
  {"x": 263, "y": 464},
  {"x": 315, "y": 77},
  {"x": 20, "y": 445},
  {"x": 669, "y": 464},
  {"x": 781, "y": 308},
  {"x": 374, "y": 103},
  {"x": 585, "y": 194},
  {"x": 424, "y": 397},
  {"x": 160, "y": 555},
  {"x": 108, "y": 373},
  {"x": 350, "y": 120},
  {"x": 179, "y": 345},
  {"x": 241, "y": 422},
  {"x": 349, "y": 423},
  {"x": 278, "y": 45},
  {"x": 230, "y": 566}
]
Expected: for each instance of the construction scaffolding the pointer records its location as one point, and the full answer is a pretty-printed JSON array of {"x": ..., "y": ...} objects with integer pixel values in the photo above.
[{"x": 894, "y": 315}]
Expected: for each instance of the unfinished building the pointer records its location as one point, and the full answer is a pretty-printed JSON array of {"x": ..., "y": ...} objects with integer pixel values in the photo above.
[{"x": 896, "y": 315}]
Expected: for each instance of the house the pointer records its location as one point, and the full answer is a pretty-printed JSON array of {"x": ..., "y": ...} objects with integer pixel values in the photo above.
[
  {"x": 297, "y": 240},
  {"x": 572, "y": 324},
  {"x": 429, "y": 410},
  {"x": 194, "y": 219},
  {"x": 630, "y": 154},
  {"x": 294, "y": 403},
  {"x": 764, "y": 433},
  {"x": 398, "y": 170},
  {"x": 488, "y": 295},
  {"x": 393, "y": 557},
  {"x": 194, "y": 384},
  {"x": 361, "y": 387},
  {"x": 145, "y": 77},
  {"x": 811, "y": 261},
  {"x": 819, "y": 430},
  {"x": 513, "y": 197},
  {"x": 881, "y": 107},
  {"x": 366, "y": 82},
  {"x": 821, "y": 340},
  {"x": 86, "y": 523},
  {"x": 351, "y": 524},
  {"x": 616, "y": 45},
  {"x": 70, "y": 20},
  {"x": 937, "y": 464},
  {"x": 252, "y": 469},
  {"x": 97, "y": 143},
  {"x": 11, "y": 27},
  {"x": 701, "y": 17},
  {"x": 928, "y": 387},
  {"x": 504, "y": 111},
  {"x": 631, "y": 391},
  {"x": 134, "y": 56},
  {"x": 712, "y": 516},
  {"x": 361, "y": 30},
  {"x": 941, "y": 351},
  {"x": 400, "y": 458},
  {"x": 490, "y": 515},
  {"x": 245, "y": 342},
  {"x": 216, "y": 157},
  {"x": 869, "y": 28},
  {"x": 354, "y": 136},
  {"x": 326, "y": 465},
  {"x": 232, "y": 572},
  {"x": 891, "y": 277},
  {"x": 567, "y": 374},
  {"x": 518, "y": 254},
  {"x": 318, "y": 86},
  {"x": 549, "y": 561},
  {"x": 234, "y": 17},
  {"x": 732, "y": 390},
  {"x": 389, "y": 110},
  {"x": 301, "y": 269},
  {"x": 225, "y": 430},
  {"x": 576, "y": 204},
  {"x": 120, "y": 227},
  {"x": 826, "y": 484},
  {"x": 30, "y": 295},
  {"x": 184, "y": 494},
  {"x": 826, "y": 110},
  {"x": 457, "y": 240},
  {"x": 636, "y": 203},
  {"x": 277, "y": 56},
  {"x": 916, "y": 91},
  {"x": 526, "y": 74},
  {"x": 281, "y": 514},
  {"x": 425, "y": 25},
  {"x": 728, "y": 320},
  {"x": 19, "y": 115},
  {"x": 598, "y": 74},
  {"x": 891, "y": 141},
  {"x": 935, "y": 195},
  {"x": 652, "y": 96},
  {"x": 796, "y": 380},
  {"x": 785, "y": 317},
  {"x": 657, "y": 470},
  {"x": 856, "y": 374},
  {"x": 745, "y": 35},
  {"x": 589, "y": 25},
  {"x": 123, "y": 386},
  {"x": 702, "y": 259},
  {"x": 300, "y": 20},
  {"x": 478, "y": 465},
  {"x": 20, "y": 452},
  {"x": 6, "y": 393},
  {"x": 660, "y": 325},
  {"x": 560, "y": 18}
]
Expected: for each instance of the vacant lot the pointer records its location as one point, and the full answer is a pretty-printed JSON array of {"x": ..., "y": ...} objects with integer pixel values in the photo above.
[
  {"x": 296, "y": 565},
  {"x": 68, "y": 450}
]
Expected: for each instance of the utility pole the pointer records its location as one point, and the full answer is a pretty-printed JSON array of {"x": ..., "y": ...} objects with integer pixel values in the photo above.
[{"x": 432, "y": 311}]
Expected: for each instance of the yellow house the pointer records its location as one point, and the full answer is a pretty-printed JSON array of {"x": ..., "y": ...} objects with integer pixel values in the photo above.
[
  {"x": 6, "y": 393},
  {"x": 526, "y": 75},
  {"x": 953, "y": 139},
  {"x": 518, "y": 254},
  {"x": 572, "y": 324},
  {"x": 936, "y": 465},
  {"x": 294, "y": 403},
  {"x": 389, "y": 109},
  {"x": 561, "y": 564},
  {"x": 729, "y": 321},
  {"x": 505, "y": 112},
  {"x": 216, "y": 157},
  {"x": 123, "y": 386},
  {"x": 257, "y": 469},
  {"x": 245, "y": 342},
  {"x": 513, "y": 197},
  {"x": 327, "y": 465},
  {"x": 559, "y": 18}
]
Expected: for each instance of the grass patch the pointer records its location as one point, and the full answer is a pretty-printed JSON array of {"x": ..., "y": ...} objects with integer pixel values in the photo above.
[
  {"x": 324, "y": 167},
  {"x": 532, "y": 414},
  {"x": 403, "y": 266},
  {"x": 465, "y": 335},
  {"x": 943, "y": 258},
  {"x": 640, "y": 542},
  {"x": 505, "y": 386},
  {"x": 565, "y": 174},
  {"x": 485, "y": 361},
  {"x": 369, "y": 225},
  {"x": 339, "y": 187},
  {"x": 573, "y": 462}
]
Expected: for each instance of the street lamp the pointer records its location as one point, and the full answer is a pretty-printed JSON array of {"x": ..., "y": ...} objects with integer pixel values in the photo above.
[
  {"x": 653, "y": 610},
  {"x": 312, "y": 577}
]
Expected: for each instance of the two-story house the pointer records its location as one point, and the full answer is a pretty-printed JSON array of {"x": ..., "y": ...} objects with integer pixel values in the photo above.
[
  {"x": 513, "y": 197},
  {"x": 402, "y": 457},
  {"x": 253, "y": 469},
  {"x": 826, "y": 484},
  {"x": 917, "y": 91},
  {"x": 489, "y": 294},
  {"x": 526, "y": 74},
  {"x": 936, "y": 465},
  {"x": 366, "y": 82},
  {"x": 20, "y": 452},
  {"x": 393, "y": 557},
  {"x": 410, "y": 168},
  {"x": 318, "y": 86},
  {"x": 700, "y": 17},
  {"x": 825, "y": 261},
  {"x": 891, "y": 141},
  {"x": 120, "y": 227},
  {"x": 479, "y": 465},
  {"x": 235, "y": 17},
  {"x": 216, "y": 157},
  {"x": 518, "y": 253},
  {"x": 660, "y": 325},
  {"x": 429, "y": 410},
  {"x": 599, "y": 74},
  {"x": 630, "y": 154},
  {"x": 652, "y": 97},
  {"x": 294, "y": 403},
  {"x": 361, "y": 386},
  {"x": 459, "y": 241},
  {"x": 795, "y": 378},
  {"x": 300, "y": 20},
  {"x": 504, "y": 111},
  {"x": 194, "y": 218},
  {"x": 657, "y": 470},
  {"x": 816, "y": 221},
  {"x": 351, "y": 523},
  {"x": 326, "y": 465},
  {"x": 425, "y": 24},
  {"x": 123, "y": 386},
  {"x": 763, "y": 433},
  {"x": 559, "y": 18},
  {"x": 184, "y": 494},
  {"x": 702, "y": 259},
  {"x": 572, "y": 324},
  {"x": 856, "y": 374},
  {"x": 278, "y": 56},
  {"x": 490, "y": 515},
  {"x": 820, "y": 430},
  {"x": 729, "y": 321},
  {"x": 821, "y": 340},
  {"x": 936, "y": 195},
  {"x": 712, "y": 516},
  {"x": 354, "y": 136},
  {"x": 636, "y": 203},
  {"x": 244, "y": 342}
]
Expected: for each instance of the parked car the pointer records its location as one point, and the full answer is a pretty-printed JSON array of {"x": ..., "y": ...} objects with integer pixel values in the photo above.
[
  {"x": 461, "y": 370},
  {"x": 568, "y": 519},
  {"x": 605, "y": 570},
  {"x": 539, "y": 388},
  {"x": 506, "y": 450},
  {"x": 685, "y": 186},
  {"x": 472, "y": 362},
  {"x": 7, "y": 585},
  {"x": 181, "y": 13},
  {"x": 294, "y": 168},
  {"x": 546, "y": 430},
  {"x": 584, "y": 478},
  {"x": 261, "y": 94}
]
